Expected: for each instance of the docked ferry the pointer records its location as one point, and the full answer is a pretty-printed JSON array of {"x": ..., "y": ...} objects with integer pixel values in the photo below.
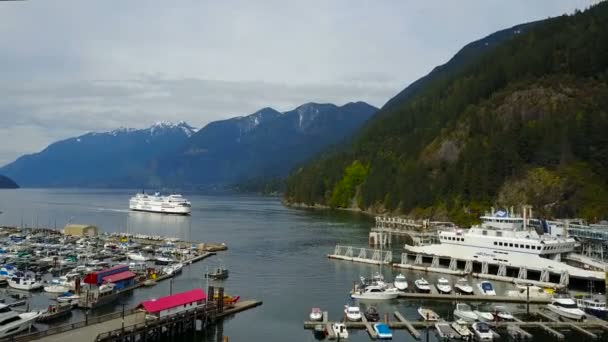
[
  {"x": 504, "y": 238},
  {"x": 171, "y": 204}
]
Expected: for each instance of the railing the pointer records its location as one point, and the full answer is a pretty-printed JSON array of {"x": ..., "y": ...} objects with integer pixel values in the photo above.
[{"x": 68, "y": 327}]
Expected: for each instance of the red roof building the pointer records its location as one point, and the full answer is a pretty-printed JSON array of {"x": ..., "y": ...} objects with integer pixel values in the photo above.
[
  {"x": 96, "y": 278},
  {"x": 175, "y": 303},
  {"x": 114, "y": 278}
]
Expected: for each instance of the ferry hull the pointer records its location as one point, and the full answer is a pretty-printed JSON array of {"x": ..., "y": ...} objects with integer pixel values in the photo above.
[{"x": 176, "y": 211}]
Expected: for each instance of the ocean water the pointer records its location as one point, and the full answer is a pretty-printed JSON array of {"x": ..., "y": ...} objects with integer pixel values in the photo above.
[{"x": 275, "y": 254}]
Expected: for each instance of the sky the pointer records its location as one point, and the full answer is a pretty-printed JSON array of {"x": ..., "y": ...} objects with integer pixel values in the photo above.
[{"x": 68, "y": 67}]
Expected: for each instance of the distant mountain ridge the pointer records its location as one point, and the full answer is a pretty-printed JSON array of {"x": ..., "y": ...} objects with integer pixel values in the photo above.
[
  {"x": 7, "y": 183},
  {"x": 267, "y": 143},
  {"x": 98, "y": 158}
]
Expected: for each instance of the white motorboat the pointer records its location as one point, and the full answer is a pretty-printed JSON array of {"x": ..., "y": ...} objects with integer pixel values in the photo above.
[
  {"x": 340, "y": 330},
  {"x": 486, "y": 288},
  {"x": 482, "y": 331},
  {"x": 56, "y": 286},
  {"x": 483, "y": 316},
  {"x": 68, "y": 297},
  {"x": 316, "y": 314},
  {"x": 162, "y": 260},
  {"x": 443, "y": 286},
  {"x": 422, "y": 285},
  {"x": 565, "y": 306},
  {"x": 463, "y": 311},
  {"x": 502, "y": 313},
  {"x": 534, "y": 292},
  {"x": 137, "y": 256},
  {"x": 172, "y": 204},
  {"x": 173, "y": 269},
  {"x": 353, "y": 313},
  {"x": 12, "y": 323},
  {"x": 106, "y": 288},
  {"x": 27, "y": 284},
  {"x": 462, "y": 329},
  {"x": 462, "y": 286},
  {"x": 445, "y": 331},
  {"x": 400, "y": 282},
  {"x": 374, "y": 292},
  {"x": 428, "y": 314}
]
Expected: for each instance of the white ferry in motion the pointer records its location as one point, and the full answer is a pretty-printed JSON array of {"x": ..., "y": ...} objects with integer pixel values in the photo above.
[
  {"x": 503, "y": 238},
  {"x": 172, "y": 204}
]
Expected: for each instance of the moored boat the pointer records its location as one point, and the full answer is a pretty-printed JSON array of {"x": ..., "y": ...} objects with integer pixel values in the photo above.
[
  {"x": 462, "y": 329},
  {"x": 463, "y": 311},
  {"x": 486, "y": 288},
  {"x": 372, "y": 314},
  {"x": 563, "y": 305},
  {"x": 483, "y": 316},
  {"x": 445, "y": 331},
  {"x": 22, "y": 283},
  {"x": 353, "y": 313},
  {"x": 422, "y": 285},
  {"x": 400, "y": 282},
  {"x": 593, "y": 306},
  {"x": 316, "y": 314},
  {"x": 502, "y": 313},
  {"x": 482, "y": 331},
  {"x": 55, "y": 311},
  {"x": 462, "y": 286},
  {"x": 428, "y": 314},
  {"x": 374, "y": 292},
  {"x": 14, "y": 323},
  {"x": 443, "y": 286},
  {"x": 340, "y": 330},
  {"x": 383, "y": 331}
]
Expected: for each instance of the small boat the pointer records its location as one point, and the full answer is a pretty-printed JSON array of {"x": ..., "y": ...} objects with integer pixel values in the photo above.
[
  {"x": 68, "y": 297},
  {"x": 319, "y": 332},
  {"x": 56, "y": 286},
  {"x": 483, "y": 316},
  {"x": 445, "y": 331},
  {"x": 383, "y": 330},
  {"x": 593, "y": 306},
  {"x": 161, "y": 260},
  {"x": 340, "y": 330},
  {"x": 149, "y": 282},
  {"x": 372, "y": 314},
  {"x": 486, "y": 288},
  {"x": 462, "y": 286},
  {"x": 563, "y": 305},
  {"x": 106, "y": 288},
  {"x": 534, "y": 292},
  {"x": 462, "y": 329},
  {"x": 219, "y": 274},
  {"x": 400, "y": 282},
  {"x": 55, "y": 311},
  {"x": 375, "y": 292},
  {"x": 443, "y": 286},
  {"x": 173, "y": 269},
  {"x": 428, "y": 314},
  {"x": 502, "y": 313},
  {"x": 482, "y": 331},
  {"x": 316, "y": 314},
  {"x": 22, "y": 283},
  {"x": 137, "y": 256},
  {"x": 422, "y": 285},
  {"x": 463, "y": 311},
  {"x": 353, "y": 313}
]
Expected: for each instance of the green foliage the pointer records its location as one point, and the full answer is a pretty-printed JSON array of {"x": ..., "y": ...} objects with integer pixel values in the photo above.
[
  {"x": 345, "y": 190},
  {"x": 534, "y": 108}
]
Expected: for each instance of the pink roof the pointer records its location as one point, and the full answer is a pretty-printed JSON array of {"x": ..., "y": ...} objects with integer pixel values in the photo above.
[
  {"x": 164, "y": 303},
  {"x": 119, "y": 276}
]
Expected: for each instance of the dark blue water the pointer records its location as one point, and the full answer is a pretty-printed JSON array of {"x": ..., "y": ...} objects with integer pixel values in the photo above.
[{"x": 276, "y": 254}]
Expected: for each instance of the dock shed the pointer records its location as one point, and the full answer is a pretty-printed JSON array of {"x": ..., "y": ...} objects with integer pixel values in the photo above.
[
  {"x": 119, "y": 275},
  {"x": 80, "y": 230},
  {"x": 173, "y": 304}
]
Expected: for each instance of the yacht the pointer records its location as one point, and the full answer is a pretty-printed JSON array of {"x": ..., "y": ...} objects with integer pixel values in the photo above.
[
  {"x": 21, "y": 283},
  {"x": 353, "y": 313},
  {"x": 12, "y": 323},
  {"x": 375, "y": 292},
  {"x": 502, "y": 313},
  {"x": 68, "y": 297},
  {"x": 482, "y": 331},
  {"x": 462, "y": 329},
  {"x": 483, "y": 316},
  {"x": 563, "y": 305},
  {"x": 462, "y": 286},
  {"x": 56, "y": 286},
  {"x": 422, "y": 285},
  {"x": 463, "y": 311},
  {"x": 340, "y": 330},
  {"x": 316, "y": 314},
  {"x": 400, "y": 282},
  {"x": 172, "y": 204},
  {"x": 486, "y": 288},
  {"x": 508, "y": 239},
  {"x": 593, "y": 306},
  {"x": 443, "y": 286}
]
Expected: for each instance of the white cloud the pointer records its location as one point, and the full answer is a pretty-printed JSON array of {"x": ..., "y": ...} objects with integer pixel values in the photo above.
[{"x": 70, "y": 66}]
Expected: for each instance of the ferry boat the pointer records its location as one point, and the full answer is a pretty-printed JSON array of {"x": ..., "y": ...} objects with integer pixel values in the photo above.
[
  {"x": 172, "y": 204},
  {"x": 508, "y": 239}
]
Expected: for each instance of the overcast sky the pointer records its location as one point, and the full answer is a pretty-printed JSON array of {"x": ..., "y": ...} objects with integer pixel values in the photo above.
[{"x": 72, "y": 66}]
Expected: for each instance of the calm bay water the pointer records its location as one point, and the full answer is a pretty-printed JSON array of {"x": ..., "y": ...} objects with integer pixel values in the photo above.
[{"x": 276, "y": 254}]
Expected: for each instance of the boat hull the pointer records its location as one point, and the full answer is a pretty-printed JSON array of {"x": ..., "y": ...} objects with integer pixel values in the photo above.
[{"x": 571, "y": 314}]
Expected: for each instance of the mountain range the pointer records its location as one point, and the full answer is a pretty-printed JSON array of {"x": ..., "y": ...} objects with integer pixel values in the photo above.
[
  {"x": 266, "y": 143},
  {"x": 518, "y": 117}
]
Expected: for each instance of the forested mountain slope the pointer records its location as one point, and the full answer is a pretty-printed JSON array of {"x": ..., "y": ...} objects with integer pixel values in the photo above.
[{"x": 525, "y": 122}]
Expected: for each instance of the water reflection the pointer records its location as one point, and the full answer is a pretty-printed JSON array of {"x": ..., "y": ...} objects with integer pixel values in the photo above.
[{"x": 176, "y": 226}]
